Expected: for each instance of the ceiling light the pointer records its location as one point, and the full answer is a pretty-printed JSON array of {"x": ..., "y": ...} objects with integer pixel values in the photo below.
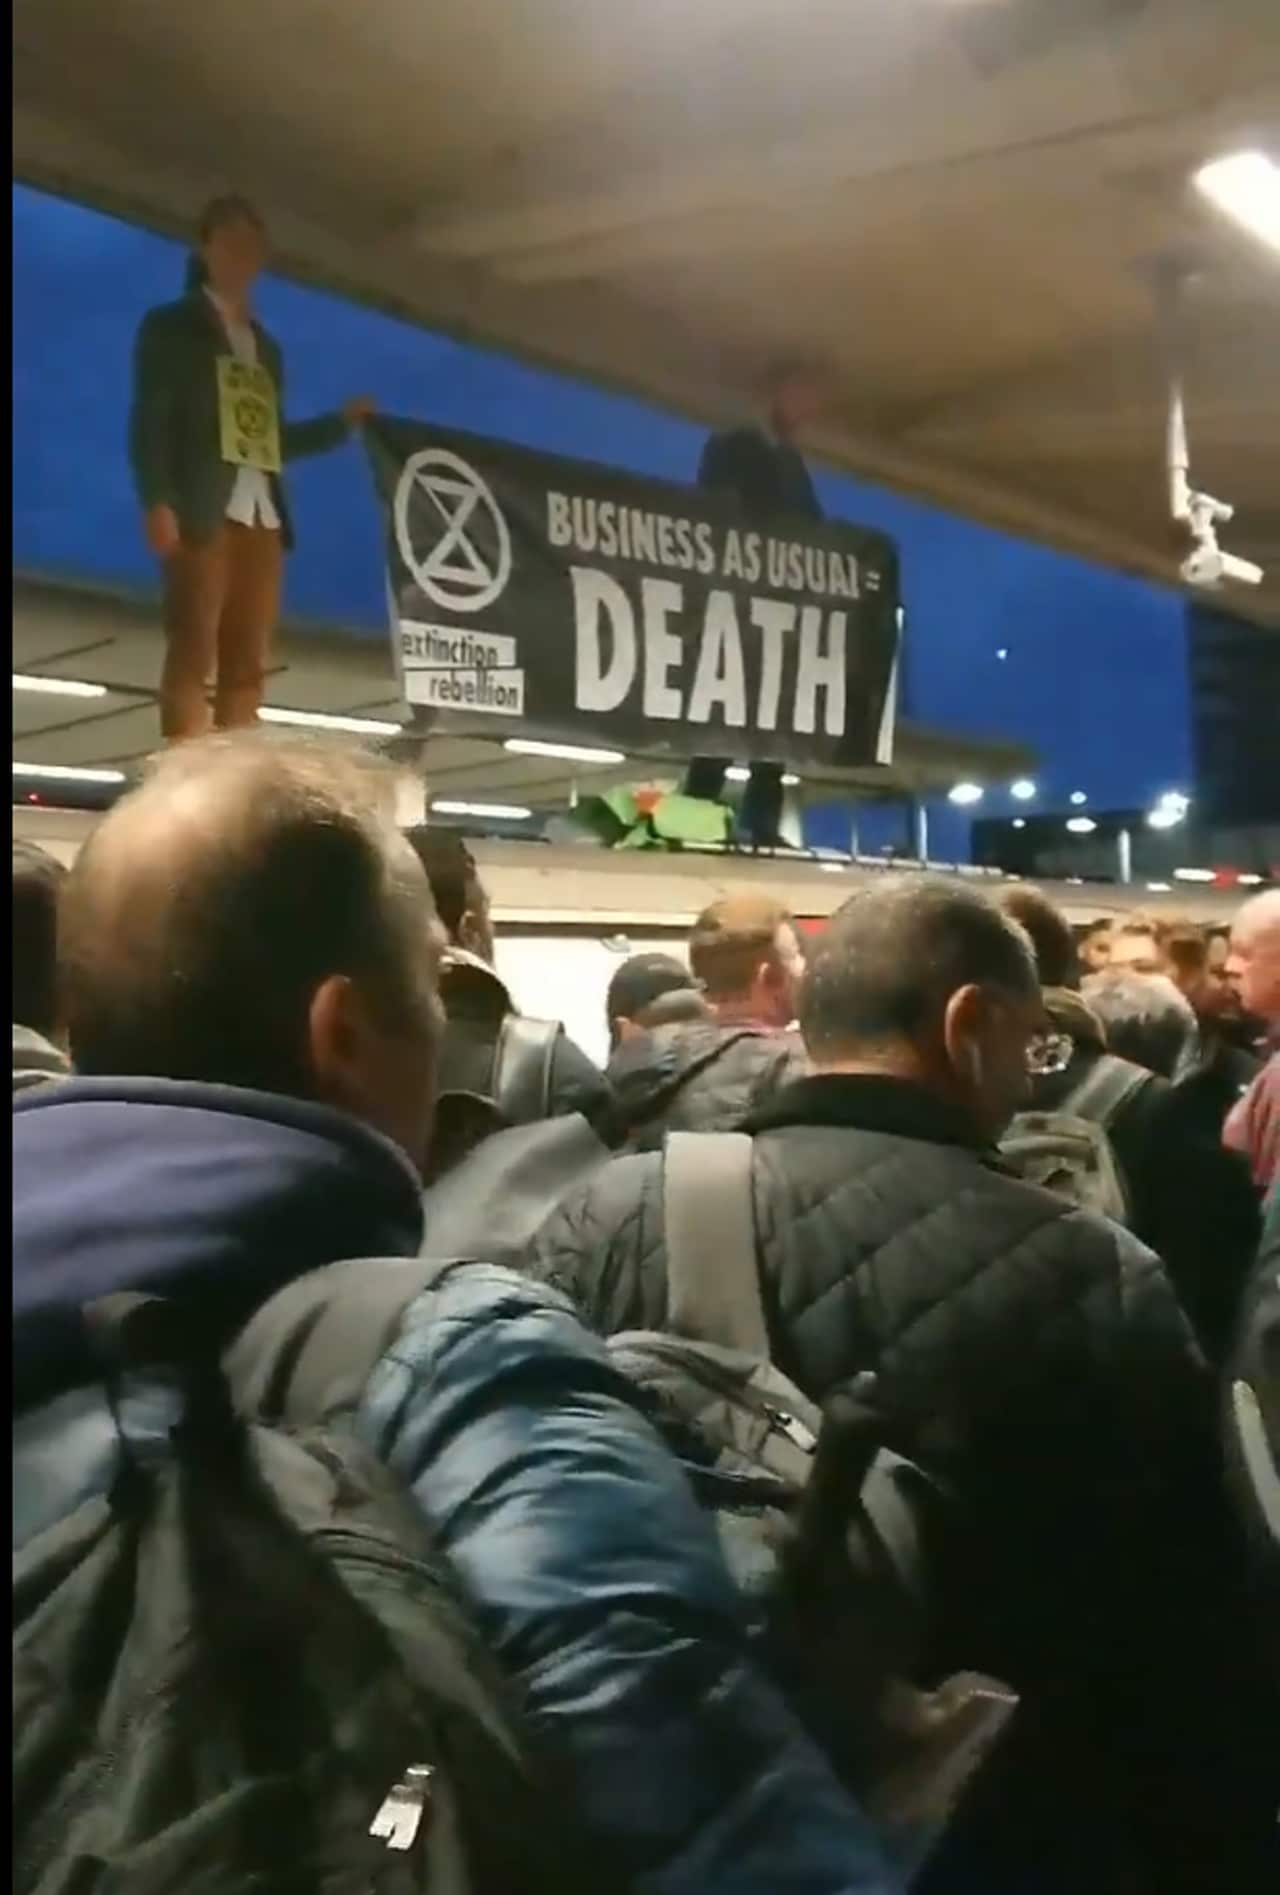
[
  {"x": 1022, "y": 790},
  {"x": 737, "y": 773},
  {"x": 1081, "y": 825},
  {"x": 1246, "y": 186},
  {"x": 57, "y": 687},
  {"x": 1194, "y": 875},
  {"x": 571, "y": 753},
  {"x": 790, "y": 782},
  {"x": 1159, "y": 888},
  {"x": 1078, "y": 797},
  {"x": 1163, "y": 818},
  {"x": 1249, "y": 881},
  {"x": 963, "y": 794},
  {"x": 500, "y": 812},
  {"x": 1002, "y": 652},
  {"x": 66, "y": 773},
  {"x": 1019, "y": 822},
  {"x": 329, "y": 720}
]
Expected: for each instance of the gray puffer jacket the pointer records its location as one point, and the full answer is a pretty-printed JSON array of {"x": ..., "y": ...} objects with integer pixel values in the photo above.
[
  {"x": 1039, "y": 1358},
  {"x": 698, "y": 1077}
]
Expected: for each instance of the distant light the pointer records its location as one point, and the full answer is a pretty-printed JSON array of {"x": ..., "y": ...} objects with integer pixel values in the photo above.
[
  {"x": 500, "y": 812},
  {"x": 57, "y": 687},
  {"x": 571, "y": 753},
  {"x": 1079, "y": 798},
  {"x": 1019, "y": 822},
  {"x": 1081, "y": 825},
  {"x": 1194, "y": 875},
  {"x": 790, "y": 782},
  {"x": 1246, "y": 185},
  {"x": 1249, "y": 881},
  {"x": 1163, "y": 819},
  {"x": 329, "y": 720},
  {"x": 832, "y": 868},
  {"x": 67, "y": 773},
  {"x": 1002, "y": 652},
  {"x": 1170, "y": 808},
  {"x": 737, "y": 773},
  {"x": 1022, "y": 789},
  {"x": 963, "y": 794},
  {"x": 1159, "y": 888}
]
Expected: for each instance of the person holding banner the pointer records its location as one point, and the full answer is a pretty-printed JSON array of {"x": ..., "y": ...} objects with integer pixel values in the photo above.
[
  {"x": 207, "y": 444},
  {"x": 764, "y": 471}
]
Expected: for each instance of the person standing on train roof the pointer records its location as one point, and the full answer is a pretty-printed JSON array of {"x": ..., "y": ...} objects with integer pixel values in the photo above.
[{"x": 207, "y": 445}]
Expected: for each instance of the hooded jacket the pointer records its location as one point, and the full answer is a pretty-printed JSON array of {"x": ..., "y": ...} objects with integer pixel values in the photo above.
[
  {"x": 698, "y": 1077},
  {"x": 593, "y": 1572},
  {"x": 1036, "y": 1356}
]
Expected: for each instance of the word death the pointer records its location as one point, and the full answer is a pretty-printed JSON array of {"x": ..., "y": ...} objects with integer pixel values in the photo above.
[{"x": 689, "y": 671}]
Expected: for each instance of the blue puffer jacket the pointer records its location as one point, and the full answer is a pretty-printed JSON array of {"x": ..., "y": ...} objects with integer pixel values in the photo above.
[{"x": 596, "y": 1576}]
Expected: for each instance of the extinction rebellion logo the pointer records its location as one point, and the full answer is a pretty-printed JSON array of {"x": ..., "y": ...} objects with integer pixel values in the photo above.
[{"x": 456, "y": 547}]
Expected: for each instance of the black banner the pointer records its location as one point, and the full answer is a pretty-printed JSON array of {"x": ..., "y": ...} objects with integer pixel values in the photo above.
[{"x": 554, "y": 598}]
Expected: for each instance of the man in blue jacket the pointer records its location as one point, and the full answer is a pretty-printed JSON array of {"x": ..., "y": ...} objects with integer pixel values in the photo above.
[{"x": 250, "y": 959}]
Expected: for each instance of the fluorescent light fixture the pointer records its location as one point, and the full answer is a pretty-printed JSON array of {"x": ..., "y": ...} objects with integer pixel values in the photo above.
[
  {"x": 1194, "y": 875},
  {"x": 1246, "y": 185},
  {"x": 1022, "y": 789},
  {"x": 1019, "y": 822},
  {"x": 790, "y": 782},
  {"x": 329, "y": 720},
  {"x": 1163, "y": 818},
  {"x": 964, "y": 794},
  {"x": 571, "y": 753},
  {"x": 1159, "y": 888},
  {"x": 1081, "y": 825},
  {"x": 737, "y": 773},
  {"x": 66, "y": 773},
  {"x": 1079, "y": 798},
  {"x": 500, "y": 812},
  {"x": 57, "y": 687},
  {"x": 1249, "y": 881}
]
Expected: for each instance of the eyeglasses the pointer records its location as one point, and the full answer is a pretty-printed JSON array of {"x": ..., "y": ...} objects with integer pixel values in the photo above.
[{"x": 1049, "y": 1052}]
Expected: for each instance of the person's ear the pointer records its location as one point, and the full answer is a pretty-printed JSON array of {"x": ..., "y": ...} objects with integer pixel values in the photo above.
[
  {"x": 339, "y": 1035},
  {"x": 962, "y": 1023},
  {"x": 473, "y": 934}
]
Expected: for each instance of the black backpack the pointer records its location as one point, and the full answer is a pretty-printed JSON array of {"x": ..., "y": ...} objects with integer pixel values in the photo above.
[{"x": 248, "y": 1668}]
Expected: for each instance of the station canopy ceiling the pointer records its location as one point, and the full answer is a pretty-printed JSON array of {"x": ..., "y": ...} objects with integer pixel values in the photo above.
[{"x": 956, "y": 204}]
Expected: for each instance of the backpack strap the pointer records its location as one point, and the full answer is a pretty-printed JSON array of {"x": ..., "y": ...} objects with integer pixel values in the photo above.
[
  {"x": 713, "y": 1278},
  {"x": 308, "y": 1353},
  {"x": 522, "y": 1068},
  {"x": 1105, "y": 1089}
]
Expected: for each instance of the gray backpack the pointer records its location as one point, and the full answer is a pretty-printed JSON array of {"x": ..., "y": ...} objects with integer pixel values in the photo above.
[
  {"x": 836, "y": 1539},
  {"x": 1069, "y": 1150}
]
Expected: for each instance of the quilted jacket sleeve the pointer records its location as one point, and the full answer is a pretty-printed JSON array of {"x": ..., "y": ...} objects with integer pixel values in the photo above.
[
  {"x": 602, "y": 1587},
  {"x": 603, "y": 1247}
]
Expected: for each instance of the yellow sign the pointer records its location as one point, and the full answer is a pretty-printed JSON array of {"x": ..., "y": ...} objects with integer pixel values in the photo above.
[{"x": 249, "y": 415}]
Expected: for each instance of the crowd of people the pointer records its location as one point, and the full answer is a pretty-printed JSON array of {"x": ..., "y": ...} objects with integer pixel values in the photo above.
[{"x": 1014, "y": 1204}]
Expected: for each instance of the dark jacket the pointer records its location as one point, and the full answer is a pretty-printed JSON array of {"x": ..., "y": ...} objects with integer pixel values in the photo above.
[
  {"x": 35, "y": 1059},
  {"x": 1038, "y": 1357},
  {"x": 767, "y": 478},
  {"x": 698, "y": 1077},
  {"x": 174, "y": 432},
  {"x": 1190, "y": 1201},
  {"x": 591, "y": 1568}
]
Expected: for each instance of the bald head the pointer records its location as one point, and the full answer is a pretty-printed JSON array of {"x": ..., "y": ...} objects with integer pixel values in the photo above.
[
  {"x": 251, "y": 917},
  {"x": 1253, "y": 963}
]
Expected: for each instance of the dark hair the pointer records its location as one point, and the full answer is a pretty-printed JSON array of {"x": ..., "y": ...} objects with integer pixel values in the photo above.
[
  {"x": 1185, "y": 946},
  {"x": 193, "y": 945},
  {"x": 1146, "y": 1019},
  {"x": 890, "y": 959},
  {"x": 1050, "y": 931},
  {"x": 642, "y": 980},
  {"x": 451, "y": 869},
  {"x": 230, "y": 208},
  {"x": 731, "y": 938},
  {"x": 37, "y": 887}
]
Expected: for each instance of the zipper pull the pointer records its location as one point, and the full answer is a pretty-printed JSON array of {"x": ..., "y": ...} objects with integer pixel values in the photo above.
[
  {"x": 795, "y": 1430},
  {"x": 400, "y": 1817}
]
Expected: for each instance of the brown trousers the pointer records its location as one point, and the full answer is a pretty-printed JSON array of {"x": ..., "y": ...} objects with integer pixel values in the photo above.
[{"x": 221, "y": 602}]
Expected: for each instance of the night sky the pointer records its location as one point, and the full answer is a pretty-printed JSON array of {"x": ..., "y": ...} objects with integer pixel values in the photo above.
[{"x": 1094, "y": 677}]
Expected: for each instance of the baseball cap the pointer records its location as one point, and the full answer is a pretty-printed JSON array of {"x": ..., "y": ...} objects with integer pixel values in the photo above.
[{"x": 642, "y": 980}]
